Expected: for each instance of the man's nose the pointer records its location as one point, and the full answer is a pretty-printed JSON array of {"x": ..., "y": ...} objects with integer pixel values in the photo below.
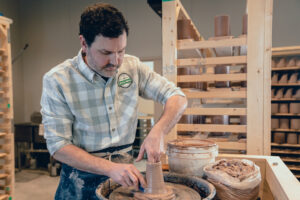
[{"x": 114, "y": 59}]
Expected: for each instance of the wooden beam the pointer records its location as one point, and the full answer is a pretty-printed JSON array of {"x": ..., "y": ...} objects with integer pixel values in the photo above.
[
  {"x": 211, "y": 77},
  {"x": 215, "y": 94},
  {"x": 259, "y": 39},
  {"x": 216, "y": 111},
  {"x": 169, "y": 51},
  {"x": 188, "y": 44},
  {"x": 212, "y": 61},
  {"x": 283, "y": 51},
  {"x": 211, "y": 128}
]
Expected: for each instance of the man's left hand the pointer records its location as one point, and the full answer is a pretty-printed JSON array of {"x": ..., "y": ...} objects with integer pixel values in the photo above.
[{"x": 153, "y": 145}]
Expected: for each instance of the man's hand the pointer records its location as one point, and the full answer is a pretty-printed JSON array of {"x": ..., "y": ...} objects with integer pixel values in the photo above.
[
  {"x": 153, "y": 145},
  {"x": 127, "y": 175}
]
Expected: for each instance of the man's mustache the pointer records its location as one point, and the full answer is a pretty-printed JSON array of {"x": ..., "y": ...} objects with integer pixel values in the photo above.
[{"x": 111, "y": 65}]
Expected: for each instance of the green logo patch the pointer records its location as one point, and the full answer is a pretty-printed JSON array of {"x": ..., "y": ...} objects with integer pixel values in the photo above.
[{"x": 124, "y": 80}]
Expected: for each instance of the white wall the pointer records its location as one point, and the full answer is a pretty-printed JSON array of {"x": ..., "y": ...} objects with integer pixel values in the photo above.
[{"x": 50, "y": 27}]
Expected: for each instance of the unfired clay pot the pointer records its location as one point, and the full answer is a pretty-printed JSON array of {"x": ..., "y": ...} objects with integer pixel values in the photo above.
[
  {"x": 279, "y": 93},
  {"x": 274, "y": 123},
  {"x": 292, "y": 138},
  {"x": 184, "y": 29},
  {"x": 219, "y": 119},
  {"x": 295, "y": 108},
  {"x": 155, "y": 179},
  {"x": 293, "y": 78},
  {"x": 245, "y": 24},
  {"x": 274, "y": 108},
  {"x": 288, "y": 93},
  {"x": 295, "y": 124},
  {"x": 273, "y": 93},
  {"x": 222, "y": 25},
  {"x": 298, "y": 138},
  {"x": 281, "y": 62},
  {"x": 283, "y": 108},
  {"x": 283, "y": 78},
  {"x": 273, "y": 63},
  {"x": 284, "y": 124},
  {"x": 297, "y": 94},
  {"x": 279, "y": 137},
  {"x": 222, "y": 69},
  {"x": 291, "y": 62},
  {"x": 275, "y": 78},
  {"x": 298, "y": 62}
]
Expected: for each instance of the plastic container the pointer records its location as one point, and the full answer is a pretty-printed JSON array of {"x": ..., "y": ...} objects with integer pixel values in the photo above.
[{"x": 189, "y": 156}]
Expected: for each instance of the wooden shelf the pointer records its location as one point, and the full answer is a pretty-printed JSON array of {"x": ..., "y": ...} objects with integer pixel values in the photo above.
[
  {"x": 285, "y": 152},
  {"x": 286, "y": 68},
  {"x": 290, "y": 160},
  {"x": 286, "y": 130},
  {"x": 285, "y": 145},
  {"x": 286, "y": 115},
  {"x": 294, "y": 168},
  {"x": 285, "y": 99},
  {"x": 285, "y": 84},
  {"x": 286, "y": 51}
]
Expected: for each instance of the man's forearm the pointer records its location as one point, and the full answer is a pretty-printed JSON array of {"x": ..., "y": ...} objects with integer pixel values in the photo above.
[
  {"x": 173, "y": 111},
  {"x": 80, "y": 159}
]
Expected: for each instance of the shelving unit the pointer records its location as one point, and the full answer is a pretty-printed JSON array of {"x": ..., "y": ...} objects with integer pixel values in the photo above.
[
  {"x": 251, "y": 51},
  {"x": 289, "y": 153},
  {"x": 7, "y": 169}
]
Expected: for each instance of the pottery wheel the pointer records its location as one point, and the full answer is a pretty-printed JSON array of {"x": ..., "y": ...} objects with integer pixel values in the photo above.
[{"x": 180, "y": 192}]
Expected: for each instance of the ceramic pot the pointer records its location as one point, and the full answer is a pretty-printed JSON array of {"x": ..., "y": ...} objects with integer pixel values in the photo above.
[
  {"x": 284, "y": 124},
  {"x": 222, "y": 26},
  {"x": 273, "y": 93},
  {"x": 295, "y": 124},
  {"x": 274, "y": 123},
  {"x": 184, "y": 29},
  {"x": 283, "y": 78},
  {"x": 273, "y": 63},
  {"x": 283, "y": 108},
  {"x": 274, "y": 78},
  {"x": 281, "y": 62},
  {"x": 291, "y": 62},
  {"x": 295, "y": 108},
  {"x": 274, "y": 108},
  {"x": 298, "y": 62},
  {"x": 297, "y": 94},
  {"x": 279, "y": 94},
  {"x": 279, "y": 137},
  {"x": 288, "y": 93},
  {"x": 245, "y": 24},
  {"x": 222, "y": 69},
  {"x": 293, "y": 78},
  {"x": 292, "y": 138}
]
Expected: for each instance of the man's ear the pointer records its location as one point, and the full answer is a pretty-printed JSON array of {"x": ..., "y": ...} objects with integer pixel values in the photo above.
[{"x": 83, "y": 43}]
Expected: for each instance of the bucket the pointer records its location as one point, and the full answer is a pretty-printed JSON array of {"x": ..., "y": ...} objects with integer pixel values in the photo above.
[{"x": 189, "y": 156}]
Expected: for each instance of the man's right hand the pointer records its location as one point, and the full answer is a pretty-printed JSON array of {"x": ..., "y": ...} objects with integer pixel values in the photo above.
[{"x": 127, "y": 175}]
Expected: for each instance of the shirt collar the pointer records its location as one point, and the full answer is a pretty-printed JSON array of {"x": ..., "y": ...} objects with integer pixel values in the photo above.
[{"x": 84, "y": 69}]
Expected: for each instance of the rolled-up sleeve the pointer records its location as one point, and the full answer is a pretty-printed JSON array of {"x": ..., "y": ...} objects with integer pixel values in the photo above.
[
  {"x": 154, "y": 86},
  {"x": 57, "y": 117}
]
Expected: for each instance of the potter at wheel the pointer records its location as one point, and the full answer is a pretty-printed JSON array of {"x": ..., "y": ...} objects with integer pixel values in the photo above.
[
  {"x": 156, "y": 189},
  {"x": 180, "y": 192}
]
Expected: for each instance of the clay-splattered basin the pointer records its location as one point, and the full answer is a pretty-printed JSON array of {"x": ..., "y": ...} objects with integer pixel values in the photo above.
[{"x": 206, "y": 190}]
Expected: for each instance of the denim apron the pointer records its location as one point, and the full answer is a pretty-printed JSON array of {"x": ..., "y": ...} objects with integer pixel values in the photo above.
[{"x": 80, "y": 185}]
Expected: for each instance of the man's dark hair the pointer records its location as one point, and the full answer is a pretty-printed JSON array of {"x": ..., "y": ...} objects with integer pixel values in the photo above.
[{"x": 101, "y": 19}]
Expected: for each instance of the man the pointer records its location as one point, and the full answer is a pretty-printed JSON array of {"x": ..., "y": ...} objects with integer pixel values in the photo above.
[{"x": 89, "y": 107}]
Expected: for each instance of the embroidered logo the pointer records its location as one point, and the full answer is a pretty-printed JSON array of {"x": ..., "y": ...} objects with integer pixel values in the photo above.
[{"x": 124, "y": 80}]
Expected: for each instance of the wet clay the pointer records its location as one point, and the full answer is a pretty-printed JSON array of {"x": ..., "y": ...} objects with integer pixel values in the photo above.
[
  {"x": 155, "y": 179},
  {"x": 179, "y": 192}
]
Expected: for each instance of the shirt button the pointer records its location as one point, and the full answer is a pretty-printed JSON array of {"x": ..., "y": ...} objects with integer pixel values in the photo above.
[
  {"x": 113, "y": 129},
  {"x": 109, "y": 107}
]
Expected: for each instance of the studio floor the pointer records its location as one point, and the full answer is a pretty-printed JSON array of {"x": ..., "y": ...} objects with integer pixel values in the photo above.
[{"x": 38, "y": 184}]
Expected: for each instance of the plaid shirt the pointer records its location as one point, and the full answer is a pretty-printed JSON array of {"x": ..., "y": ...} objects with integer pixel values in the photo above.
[{"x": 81, "y": 108}]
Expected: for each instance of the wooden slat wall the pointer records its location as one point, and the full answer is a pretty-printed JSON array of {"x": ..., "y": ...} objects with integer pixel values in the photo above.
[
  {"x": 6, "y": 117},
  {"x": 258, "y": 59}
]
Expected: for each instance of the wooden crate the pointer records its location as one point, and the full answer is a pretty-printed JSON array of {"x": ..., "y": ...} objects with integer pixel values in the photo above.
[
  {"x": 6, "y": 113},
  {"x": 289, "y": 153},
  {"x": 252, "y": 102},
  {"x": 277, "y": 180}
]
